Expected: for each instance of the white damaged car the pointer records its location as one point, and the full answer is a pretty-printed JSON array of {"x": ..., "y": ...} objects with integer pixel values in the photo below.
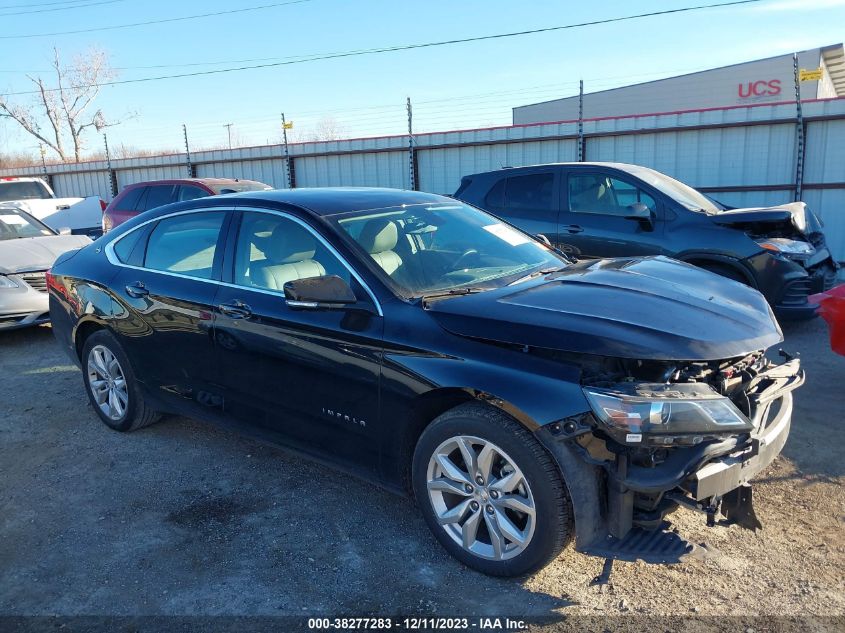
[{"x": 28, "y": 248}]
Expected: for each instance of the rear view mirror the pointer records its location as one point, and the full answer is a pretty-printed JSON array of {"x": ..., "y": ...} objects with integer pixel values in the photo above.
[
  {"x": 328, "y": 291},
  {"x": 638, "y": 211},
  {"x": 65, "y": 230}
]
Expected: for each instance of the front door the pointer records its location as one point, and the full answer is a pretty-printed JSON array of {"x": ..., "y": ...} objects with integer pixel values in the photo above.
[
  {"x": 306, "y": 376},
  {"x": 594, "y": 223}
]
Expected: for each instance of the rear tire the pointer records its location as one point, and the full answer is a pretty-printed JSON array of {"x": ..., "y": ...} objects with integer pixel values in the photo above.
[
  {"x": 111, "y": 384},
  {"x": 509, "y": 516}
]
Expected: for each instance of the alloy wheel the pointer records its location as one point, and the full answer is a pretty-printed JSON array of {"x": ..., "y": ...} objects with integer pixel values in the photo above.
[
  {"x": 107, "y": 382},
  {"x": 481, "y": 498}
]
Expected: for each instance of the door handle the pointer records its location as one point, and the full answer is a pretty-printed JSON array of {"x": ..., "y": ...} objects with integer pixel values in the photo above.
[
  {"x": 574, "y": 228},
  {"x": 235, "y": 310},
  {"x": 137, "y": 290}
]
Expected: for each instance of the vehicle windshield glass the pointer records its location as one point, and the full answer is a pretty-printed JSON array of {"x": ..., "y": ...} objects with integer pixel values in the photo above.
[
  {"x": 678, "y": 191},
  {"x": 15, "y": 224},
  {"x": 22, "y": 190},
  {"x": 431, "y": 248}
]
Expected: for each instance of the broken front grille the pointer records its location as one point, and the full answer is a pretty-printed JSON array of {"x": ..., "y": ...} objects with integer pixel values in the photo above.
[{"x": 36, "y": 280}]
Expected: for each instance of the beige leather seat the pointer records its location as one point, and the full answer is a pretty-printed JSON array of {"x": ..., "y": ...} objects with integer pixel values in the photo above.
[
  {"x": 379, "y": 237},
  {"x": 289, "y": 252}
]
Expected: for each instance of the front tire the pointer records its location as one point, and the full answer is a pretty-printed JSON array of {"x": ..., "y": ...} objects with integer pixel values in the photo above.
[
  {"x": 490, "y": 493},
  {"x": 111, "y": 385}
]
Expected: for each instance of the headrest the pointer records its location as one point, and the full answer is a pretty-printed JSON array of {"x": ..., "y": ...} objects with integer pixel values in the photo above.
[
  {"x": 379, "y": 235},
  {"x": 289, "y": 243}
]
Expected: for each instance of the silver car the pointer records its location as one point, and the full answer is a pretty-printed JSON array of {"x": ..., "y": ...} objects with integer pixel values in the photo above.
[{"x": 28, "y": 248}]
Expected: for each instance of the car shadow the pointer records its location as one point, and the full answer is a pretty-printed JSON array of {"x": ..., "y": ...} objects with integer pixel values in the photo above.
[{"x": 185, "y": 518}]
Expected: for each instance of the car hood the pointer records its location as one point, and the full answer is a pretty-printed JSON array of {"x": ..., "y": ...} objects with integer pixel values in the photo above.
[
  {"x": 793, "y": 216},
  {"x": 36, "y": 253},
  {"x": 643, "y": 308}
]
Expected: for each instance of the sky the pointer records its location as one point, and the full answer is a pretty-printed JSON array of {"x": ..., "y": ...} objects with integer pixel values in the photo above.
[{"x": 451, "y": 87}]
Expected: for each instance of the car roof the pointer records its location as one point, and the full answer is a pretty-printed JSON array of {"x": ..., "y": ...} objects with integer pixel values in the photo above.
[
  {"x": 202, "y": 181},
  {"x": 621, "y": 166},
  {"x": 336, "y": 200}
]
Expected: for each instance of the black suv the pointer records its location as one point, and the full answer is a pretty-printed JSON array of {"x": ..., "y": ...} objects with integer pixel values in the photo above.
[
  {"x": 420, "y": 342},
  {"x": 615, "y": 209}
]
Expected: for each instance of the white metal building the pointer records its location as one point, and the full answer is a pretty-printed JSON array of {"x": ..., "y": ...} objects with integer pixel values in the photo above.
[{"x": 768, "y": 80}]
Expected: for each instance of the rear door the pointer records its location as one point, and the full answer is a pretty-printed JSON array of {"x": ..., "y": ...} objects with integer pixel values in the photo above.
[
  {"x": 593, "y": 221},
  {"x": 527, "y": 199},
  {"x": 166, "y": 286}
]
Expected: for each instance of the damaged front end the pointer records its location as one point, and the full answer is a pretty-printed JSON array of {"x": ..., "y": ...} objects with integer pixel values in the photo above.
[{"x": 664, "y": 434}]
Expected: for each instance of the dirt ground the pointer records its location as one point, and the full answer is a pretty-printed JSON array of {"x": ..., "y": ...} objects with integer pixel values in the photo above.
[{"x": 184, "y": 519}]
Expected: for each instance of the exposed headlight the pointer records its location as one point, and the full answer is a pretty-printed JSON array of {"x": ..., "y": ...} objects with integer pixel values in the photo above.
[
  {"x": 661, "y": 414},
  {"x": 7, "y": 282},
  {"x": 785, "y": 245}
]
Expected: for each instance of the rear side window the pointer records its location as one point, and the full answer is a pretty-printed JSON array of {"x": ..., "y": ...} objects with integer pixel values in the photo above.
[
  {"x": 190, "y": 192},
  {"x": 529, "y": 196},
  {"x": 159, "y": 195},
  {"x": 185, "y": 244}
]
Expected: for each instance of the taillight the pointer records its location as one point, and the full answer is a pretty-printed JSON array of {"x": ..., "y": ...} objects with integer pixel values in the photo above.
[
  {"x": 103, "y": 205},
  {"x": 51, "y": 280}
]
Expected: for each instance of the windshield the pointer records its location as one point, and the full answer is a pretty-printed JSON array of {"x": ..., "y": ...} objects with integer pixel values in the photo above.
[
  {"x": 431, "y": 248},
  {"x": 678, "y": 191},
  {"x": 22, "y": 190},
  {"x": 15, "y": 224}
]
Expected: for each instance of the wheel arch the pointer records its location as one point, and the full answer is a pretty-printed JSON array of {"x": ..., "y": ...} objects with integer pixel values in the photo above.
[
  {"x": 426, "y": 407},
  {"x": 82, "y": 332},
  {"x": 708, "y": 261}
]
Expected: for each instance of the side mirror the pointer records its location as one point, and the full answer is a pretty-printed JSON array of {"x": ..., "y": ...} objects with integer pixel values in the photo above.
[
  {"x": 65, "y": 230},
  {"x": 638, "y": 211},
  {"x": 328, "y": 291}
]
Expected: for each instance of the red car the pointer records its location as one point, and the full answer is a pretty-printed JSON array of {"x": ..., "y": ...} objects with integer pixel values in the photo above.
[{"x": 141, "y": 196}]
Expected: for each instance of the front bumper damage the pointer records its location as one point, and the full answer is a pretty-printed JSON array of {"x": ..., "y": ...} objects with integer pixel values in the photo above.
[{"x": 626, "y": 519}]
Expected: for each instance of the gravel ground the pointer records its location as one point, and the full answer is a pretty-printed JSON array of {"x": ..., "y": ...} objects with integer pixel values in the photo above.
[{"x": 185, "y": 519}]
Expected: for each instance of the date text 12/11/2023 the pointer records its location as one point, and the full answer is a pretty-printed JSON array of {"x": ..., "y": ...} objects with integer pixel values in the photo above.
[{"x": 416, "y": 624}]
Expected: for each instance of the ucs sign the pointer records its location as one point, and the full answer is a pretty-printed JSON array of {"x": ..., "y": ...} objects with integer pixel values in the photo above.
[{"x": 761, "y": 88}]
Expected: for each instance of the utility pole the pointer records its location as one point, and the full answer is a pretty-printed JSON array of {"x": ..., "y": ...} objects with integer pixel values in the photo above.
[
  {"x": 412, "y": 172},
  {"x": 228, "y": 127},
  {"x": 580, "y": 120},
  {"x": 188, "y": 152},
  {"x": 799, "y": 131},
  {"x": 44, "y": 160},
  {"x": 112, "y": 177},
  {"x": 288, "y": 175}
]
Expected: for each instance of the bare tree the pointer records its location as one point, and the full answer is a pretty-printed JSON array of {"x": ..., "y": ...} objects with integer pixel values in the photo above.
[
  {"x": 62, "y": 114},
  {"x": 327, "y": 129}
]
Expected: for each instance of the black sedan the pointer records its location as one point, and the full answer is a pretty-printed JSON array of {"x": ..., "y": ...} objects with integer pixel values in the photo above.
[{"x": 521, "y": 398}]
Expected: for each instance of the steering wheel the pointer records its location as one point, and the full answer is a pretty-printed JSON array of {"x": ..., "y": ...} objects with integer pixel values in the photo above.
[{"x": 470, "y": 252}]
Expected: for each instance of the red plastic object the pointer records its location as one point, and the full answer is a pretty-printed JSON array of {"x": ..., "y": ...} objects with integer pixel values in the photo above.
[{"x": 832, "y": 309}]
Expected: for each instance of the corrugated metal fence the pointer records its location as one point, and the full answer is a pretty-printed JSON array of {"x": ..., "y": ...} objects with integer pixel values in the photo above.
[{"x": 743, "y": 156}]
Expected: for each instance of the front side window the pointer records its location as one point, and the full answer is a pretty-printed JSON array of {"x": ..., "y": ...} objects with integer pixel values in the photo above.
[
  {"x": 185, "y": 244},
  {"x": 603, "y": 195},
  {"x": 429, "y": 248},
  {"x": 273, "y": 250}
]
